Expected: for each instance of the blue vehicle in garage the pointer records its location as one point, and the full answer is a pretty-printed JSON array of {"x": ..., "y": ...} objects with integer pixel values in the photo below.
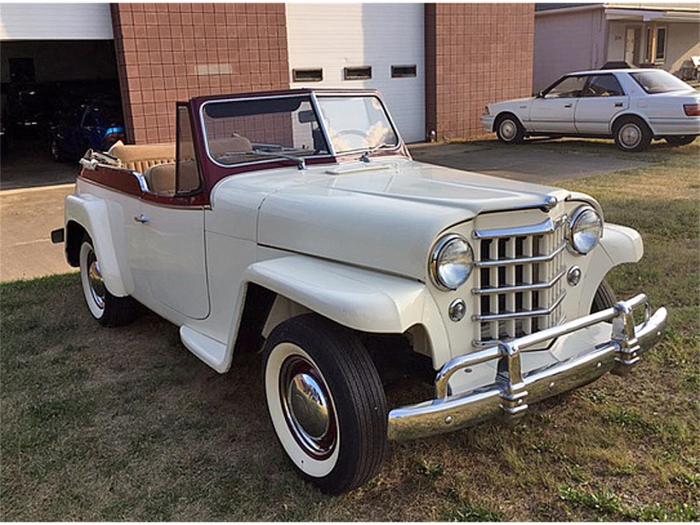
[{"x": 94, "y": 125}]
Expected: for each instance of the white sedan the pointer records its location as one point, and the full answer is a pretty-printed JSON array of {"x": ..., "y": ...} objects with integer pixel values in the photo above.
[{"x": 632, "y": 106}]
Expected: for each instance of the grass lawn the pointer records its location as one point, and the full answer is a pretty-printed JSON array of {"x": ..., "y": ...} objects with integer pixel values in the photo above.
[{"x": 125, "y": 424}]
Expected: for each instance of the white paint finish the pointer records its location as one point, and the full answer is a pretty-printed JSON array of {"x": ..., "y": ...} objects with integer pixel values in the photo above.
[
  {"x": 28, "y": 21},
  {"x": 174, "y": 258},
  {"x": 663, "y": 112},
  {"x": 334, "y": 36}
]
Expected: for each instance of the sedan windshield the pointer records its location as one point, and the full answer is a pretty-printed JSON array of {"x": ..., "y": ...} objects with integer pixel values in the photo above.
[
  {"x": 357, "y": 123},
  {"x": 241, "y": 131},
  {"x": 659, "y": 82}
]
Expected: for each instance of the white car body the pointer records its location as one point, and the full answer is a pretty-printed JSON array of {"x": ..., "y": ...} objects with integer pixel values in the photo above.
[
  {"x": 595, "y": 116},
  {"x": 353, "y": 239}
]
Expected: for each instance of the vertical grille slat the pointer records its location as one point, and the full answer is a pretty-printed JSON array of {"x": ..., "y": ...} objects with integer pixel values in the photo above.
[{"x": 504, "y": 273}]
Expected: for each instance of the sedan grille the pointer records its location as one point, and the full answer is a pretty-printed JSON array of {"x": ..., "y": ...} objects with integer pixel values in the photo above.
[{"x": 519, "y": 273}]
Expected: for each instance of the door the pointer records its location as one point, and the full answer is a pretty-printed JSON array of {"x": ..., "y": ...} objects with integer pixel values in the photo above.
[
  {"x": 632, "y": 36},
  {"x": 173, "y": 233},
  {"x": 601, "y": 100},
  {"x": 553, "y": 111}
]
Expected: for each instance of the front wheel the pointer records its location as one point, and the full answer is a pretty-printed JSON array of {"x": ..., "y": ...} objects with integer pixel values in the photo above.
[
  {"x": 107, "y": 309},
  {"x": 509, "y": 130},
  {"x": 680, "y": 140},
  {"x": 604, "y": 297},
  {"x": 326, "y": 402}
]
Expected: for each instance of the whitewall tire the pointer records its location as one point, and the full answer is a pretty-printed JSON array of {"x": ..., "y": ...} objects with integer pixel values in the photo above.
[
  {"x": 326, "y": 402},
  {"x": 106, "y": 308}
]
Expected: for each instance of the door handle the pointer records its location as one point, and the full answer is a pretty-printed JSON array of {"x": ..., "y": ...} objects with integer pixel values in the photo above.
[
  {"x": 618, "y": 104},
  {"x": 567, "y": 105},
  {"x": 141, "y": 218}
]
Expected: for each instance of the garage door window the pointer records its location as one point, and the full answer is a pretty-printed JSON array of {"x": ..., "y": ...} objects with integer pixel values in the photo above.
[
  {"x": 403, "y": 71},
  {"x": 357, "y": 73},
  {"x": 307, "y": 75}
]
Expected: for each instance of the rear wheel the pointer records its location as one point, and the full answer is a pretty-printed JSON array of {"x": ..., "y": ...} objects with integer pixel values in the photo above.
[
  {"x": 632, "y": 134},
  {"x": 509, "y": 130},
  {"x": 680, "y": 140},
  {"x": 106, "y": 308},
  {"x": 326, "y": 402}
]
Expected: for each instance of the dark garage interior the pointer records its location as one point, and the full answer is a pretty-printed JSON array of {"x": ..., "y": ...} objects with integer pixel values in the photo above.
[{"x": 59, "y": 97}]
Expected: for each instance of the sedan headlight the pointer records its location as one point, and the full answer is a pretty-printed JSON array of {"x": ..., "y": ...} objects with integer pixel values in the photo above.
[
  {"x": 585, "y": 230},
  {"x": 451, "y": 262}
]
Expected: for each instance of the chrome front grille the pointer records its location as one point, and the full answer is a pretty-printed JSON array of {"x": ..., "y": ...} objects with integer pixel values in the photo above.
[{"x": 519, "y": 287}]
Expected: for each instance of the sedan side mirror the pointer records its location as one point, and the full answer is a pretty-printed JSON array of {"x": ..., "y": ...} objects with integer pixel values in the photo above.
[{"x": 540, "y": 94}]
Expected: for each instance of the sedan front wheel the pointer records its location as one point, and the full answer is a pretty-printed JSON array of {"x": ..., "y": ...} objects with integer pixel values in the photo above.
[
  {"x": 509, "y": 130},
  {"x": 326, "y": 402}
]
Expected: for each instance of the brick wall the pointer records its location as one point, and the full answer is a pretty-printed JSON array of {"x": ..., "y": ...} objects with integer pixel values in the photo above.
[
  {"x": 172, "y": 52},
  {"x": 474, "y": 54}
]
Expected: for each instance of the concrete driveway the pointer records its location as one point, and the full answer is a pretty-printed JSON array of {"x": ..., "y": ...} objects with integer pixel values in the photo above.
[
  {"x": 26, "y": 219},
  {"x": 28, "y": 216}
]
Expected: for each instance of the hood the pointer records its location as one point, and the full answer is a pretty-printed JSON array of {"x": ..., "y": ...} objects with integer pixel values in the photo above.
[
  {"x": 384, "y": 215},
  {"x": 511, "y": 101}
]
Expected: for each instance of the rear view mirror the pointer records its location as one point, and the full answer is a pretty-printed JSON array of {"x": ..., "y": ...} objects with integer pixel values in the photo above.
[{"x": 306, "y": 116}]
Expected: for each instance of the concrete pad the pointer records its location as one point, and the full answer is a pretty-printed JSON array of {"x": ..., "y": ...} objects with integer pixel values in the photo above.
[
  {"x": 26, "y": 220},
  {"x": 531, "y": 162}
]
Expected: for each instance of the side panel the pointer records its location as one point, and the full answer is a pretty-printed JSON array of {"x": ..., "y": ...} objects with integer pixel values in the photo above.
[
  {"x": 595, "y": 114},
  {"x": 553, "y": 115}
]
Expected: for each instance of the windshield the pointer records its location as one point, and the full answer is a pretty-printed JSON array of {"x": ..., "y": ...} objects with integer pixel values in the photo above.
[
  {"x": 357, "y": 123},
  {"x": 239, "y": 131},
  {"x": 659, "y": 82}
]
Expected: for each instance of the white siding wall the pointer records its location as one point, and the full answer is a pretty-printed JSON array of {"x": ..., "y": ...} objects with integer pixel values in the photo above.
[
  {"x": 567, "y": 42},
  {"x": 27, "y": 21},
  {"x": 334, "y": 36}
]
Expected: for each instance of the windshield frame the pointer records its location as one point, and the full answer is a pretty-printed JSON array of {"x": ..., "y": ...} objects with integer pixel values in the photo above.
[
  {"x": 268, "y": 160},
  {"x": 356, "y": 94}
]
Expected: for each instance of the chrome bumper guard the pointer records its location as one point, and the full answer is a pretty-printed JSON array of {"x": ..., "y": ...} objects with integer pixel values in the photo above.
[{"x": 510, "y": 394}]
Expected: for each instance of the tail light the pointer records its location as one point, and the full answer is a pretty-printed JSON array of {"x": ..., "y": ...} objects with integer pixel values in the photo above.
[{"x": 692, "y": 110}]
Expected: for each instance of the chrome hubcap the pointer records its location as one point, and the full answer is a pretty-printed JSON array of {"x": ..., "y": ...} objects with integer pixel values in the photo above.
[
  {"x": 97, "y": 285},
  {"x": 508, "y": 129},
  {"x": 307, "y": 407},
  {"x": 630, "y": 135}
]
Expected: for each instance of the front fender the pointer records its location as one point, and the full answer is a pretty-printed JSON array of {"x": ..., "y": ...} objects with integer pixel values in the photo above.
[
  {"x": 91, "y": 214},
  {"x": 360, "y": 299}
]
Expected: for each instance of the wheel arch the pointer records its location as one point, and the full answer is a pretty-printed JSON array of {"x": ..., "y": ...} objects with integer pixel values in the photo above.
[
  {"x": 629, "y": 114},
  {"x": 503, "y": 114},
  {"x": 87, "y": 215}
]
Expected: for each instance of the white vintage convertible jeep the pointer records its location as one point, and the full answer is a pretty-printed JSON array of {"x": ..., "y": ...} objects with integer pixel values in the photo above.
[{"x": 299, "y": 219}]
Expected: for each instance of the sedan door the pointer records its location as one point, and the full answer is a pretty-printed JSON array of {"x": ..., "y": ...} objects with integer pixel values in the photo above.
[
  {"x": 602, "y": 99},
  {"x": 553, "y": 111}
]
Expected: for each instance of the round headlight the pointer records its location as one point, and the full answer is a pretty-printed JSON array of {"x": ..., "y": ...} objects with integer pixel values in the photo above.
[
  {"x": 586, "y": 229},
  {"x": 451, "y": 262}
]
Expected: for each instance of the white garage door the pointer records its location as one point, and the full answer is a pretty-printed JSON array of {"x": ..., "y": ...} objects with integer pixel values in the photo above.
[
  {"x": 377, "y": 36},
  {"x": 28, "y": 21}
]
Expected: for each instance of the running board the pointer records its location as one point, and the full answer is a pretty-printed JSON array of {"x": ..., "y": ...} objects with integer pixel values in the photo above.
[{"x": 209, "y": 350}]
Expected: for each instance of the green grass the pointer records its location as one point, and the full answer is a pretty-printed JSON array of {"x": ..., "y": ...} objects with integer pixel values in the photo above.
[{"x": 125, "y": 424}]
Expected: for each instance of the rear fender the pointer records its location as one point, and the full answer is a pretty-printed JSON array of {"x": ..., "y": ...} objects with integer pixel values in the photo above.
[{"x": 91, "y": 214}]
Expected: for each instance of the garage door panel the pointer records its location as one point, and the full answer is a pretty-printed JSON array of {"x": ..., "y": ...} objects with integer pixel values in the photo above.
[{"x": 333, "y": 37}]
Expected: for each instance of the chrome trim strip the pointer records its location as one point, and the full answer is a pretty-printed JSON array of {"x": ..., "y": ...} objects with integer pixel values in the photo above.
[
  {"x": 523, "y": 314},
  {"x": 521, "y": 260},
  {"x": 512, "y": 390},
  {"x": 520, "y": 287},
  {"x": 542, "y": 228}
]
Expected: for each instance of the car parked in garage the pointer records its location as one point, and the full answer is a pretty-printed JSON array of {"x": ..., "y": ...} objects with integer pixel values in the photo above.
[
  {"x": 632, "y": 106},
  {"x": 296, "y": 223},
  {"x": 95, "y": 124}
]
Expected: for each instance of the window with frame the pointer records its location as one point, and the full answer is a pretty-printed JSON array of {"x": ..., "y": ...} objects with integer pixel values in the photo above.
[
  {"x": 569, "y": 87},
  {"x": 660, "y": 52},
  {"x": 657, "y": 41},
  {"x": 603, "y": 86},
  {"x": 357, "y": 73},
  {"x": 403, "y": 71},
  {"x": 307, "y": 75},
  {"x": 187, "y": 179}
]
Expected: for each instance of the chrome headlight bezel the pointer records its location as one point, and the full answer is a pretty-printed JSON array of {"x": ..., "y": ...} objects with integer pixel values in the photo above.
[
  {"x": 581, "y": 214},
  {"x": 436, "y": 255}
]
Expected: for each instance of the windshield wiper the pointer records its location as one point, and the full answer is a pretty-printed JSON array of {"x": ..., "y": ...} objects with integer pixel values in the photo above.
[
  {"x": 301, "y": 163},
  {"x": 367, "y": 153}
]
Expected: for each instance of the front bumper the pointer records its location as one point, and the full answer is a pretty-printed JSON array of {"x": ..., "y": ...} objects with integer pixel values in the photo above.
[
  {"x": 487, "y": 122},
  {"x": 513, "y": 390}
]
